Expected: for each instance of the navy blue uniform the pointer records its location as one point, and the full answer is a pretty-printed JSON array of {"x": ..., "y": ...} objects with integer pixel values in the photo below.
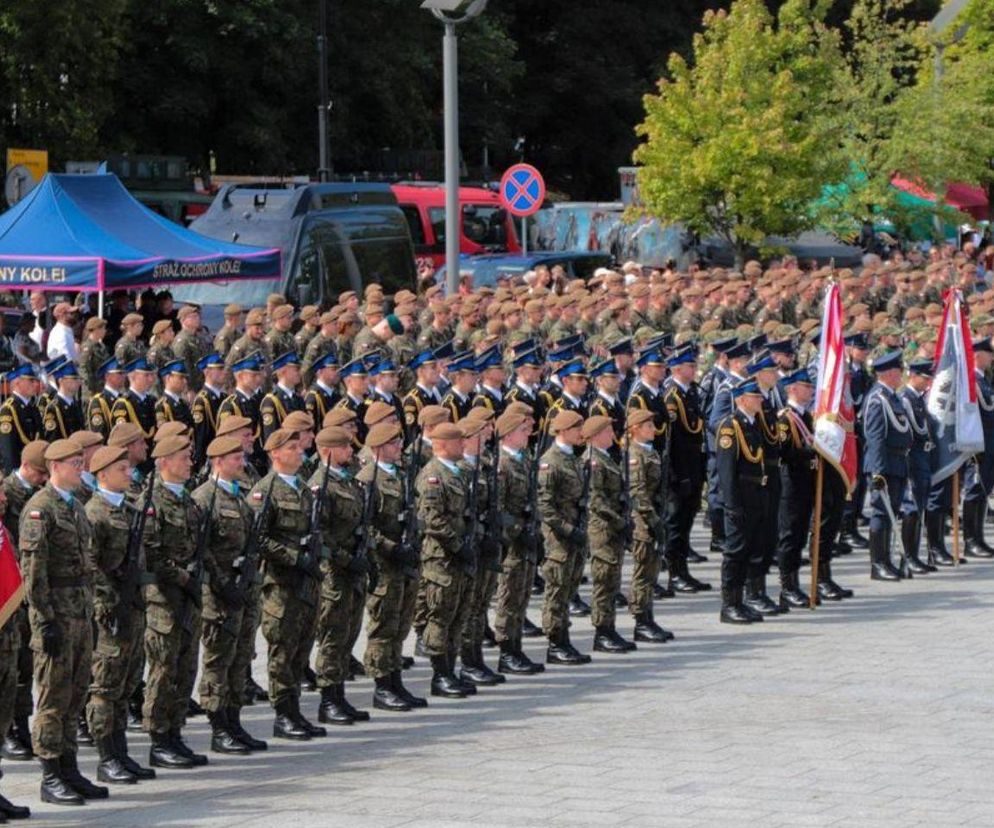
[
  {"x": 797, "y": 486},
  {"x": 888, "y": 439},
  {"x": 921, "y": 457},
  {"x": 686, "y": 470},
  {"x": 979, "y": 477}
]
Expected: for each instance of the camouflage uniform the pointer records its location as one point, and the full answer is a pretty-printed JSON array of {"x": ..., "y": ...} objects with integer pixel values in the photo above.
[
  {"x": 18, "y": 493},
  {"x": 647, "y": 513},
  {"x": 128, "y": 349},
  {"x": 318, "y": 346},
  {"x": 560, "y": 484},
  {"x": 228, "y": 631},
  {"x": 190, "y": 348},
  {"x": 226, "y": 337},
  {"x": 10, "y": 646},
  {"x": 117, "y": 656},
  {"x": 606, "y": 536},
  {"x": 390, "y": 605},
  {"x": 91, "y": 356},
  {"x": 170, "y": 647},
  {"x": 342, "y": 589},
  {"x": 279, "y": 343},
  {"x": 442, "y": 501},
  {"x": 246, "y": 345},
  {"x": 483, "y": 584},
  {"x": 520, "y": 554},
  {"x": 54, "y": 543}
]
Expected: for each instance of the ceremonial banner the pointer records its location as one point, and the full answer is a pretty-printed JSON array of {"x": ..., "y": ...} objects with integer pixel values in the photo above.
[
  {"x": 834, "y": 417},
  {"x": 11, "y": 585},
  {"x": 952, "y": 402}
]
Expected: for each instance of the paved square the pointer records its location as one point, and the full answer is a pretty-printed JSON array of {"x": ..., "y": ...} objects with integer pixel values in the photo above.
[{"x": 874, "y": 712}]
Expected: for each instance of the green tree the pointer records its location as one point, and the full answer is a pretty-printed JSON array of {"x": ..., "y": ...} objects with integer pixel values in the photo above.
[{"x": 736, "y": 142}]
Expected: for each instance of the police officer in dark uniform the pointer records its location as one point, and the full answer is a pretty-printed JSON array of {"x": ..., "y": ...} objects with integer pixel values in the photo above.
[
  {"x": 686, "y": 465},
  {"x": 244, "y": 402},
  {"x": 921, "y": 460},
  {"x": 20, "y": 420},
  {"x": 573, "y": 384},
  {"x": 172, "y": 405},
  {"x": 283, "y": 398},
  {"x": 527, "y": 365},
  {"x": 648, "y": 394},
  {"x": 425, "y": 366},
  {"x": 860, "y": 383},
  {"x": 462, "y": 373},
  {"x": 742, "y": 489},
  {"x": 979, "y": 478},
  {"x": 355, "y": 378},
  {"x": 98, "y": 416},
  {"x": 323, "y": 395},
  {"x": 64, "y": 414},
  {"x": 137, "y": 405},
  {"x": 383, "y": 380},
  {"x": 888, "y": 438},
  {"x": 207, "y": 405},
  {"x": 606, "y": 401}
]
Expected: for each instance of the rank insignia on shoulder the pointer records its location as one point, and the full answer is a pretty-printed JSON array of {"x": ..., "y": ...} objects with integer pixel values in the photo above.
[
  {"x": 725, "y": 442},
  {"x": 727, "y": 431}
]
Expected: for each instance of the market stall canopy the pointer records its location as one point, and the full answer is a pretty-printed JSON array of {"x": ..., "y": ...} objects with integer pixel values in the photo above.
[
  {"x": 966, "y": 198},
  {"x": 86, "y": 232}
]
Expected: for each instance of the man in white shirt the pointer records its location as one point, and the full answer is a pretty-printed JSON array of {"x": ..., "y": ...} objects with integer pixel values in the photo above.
[{"x": 61, "y": 340}]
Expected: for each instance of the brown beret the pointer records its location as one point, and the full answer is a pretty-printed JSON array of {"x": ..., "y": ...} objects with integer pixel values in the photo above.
[
  {"x": 279, "y": 438},
  {"x": 256, "y": 316},
  {"x": 298, "y": 421},
  {"x": 595, "y": 425},
  {"x": 637, "y": 416},
  {"x": 106, "y": 456},
  {"x": 62, "y": 450},
  {"x": 433, "y": 415},
  {"x": 220, "y": 446},
  {"x": 338, "y": 417},
  {"x": 172, "y": 428},
  {"x": 124, "y": 434},
  {"x": 521, "y": 408},
  {"x": 87, "y": 439},
  {"x": 186, "y": 310},
  {"x": 509, "y": 421},
  {"x": 281, "y": 312},
  {"x": 95, "y": 323},
  {"x": 168, "y": 446},
  {"x": 348, "y": 318},
  {"x": 564, "y": 420},
  {"x": 447, "y": 431},
  {"x": 308, "y": 312},
  {"x": 480, "y": 413},
  {"x": 333, "y": 436},
  {"x": 231, "y": 424},
  {"x": 33, "y": 454},
  {"x": 131, "y": 319},
  {"x": 638, "y": 290},
  {"x": 275, "y": 299},
  {"x": 232, "y": 310},
  {"x": 377, "y": 411},
  {"x": 328, "y": 318},
  {"x": 345, "y": 296},
  {"x": 382, "y": 433},
  {"x": 470, "y": 427}
]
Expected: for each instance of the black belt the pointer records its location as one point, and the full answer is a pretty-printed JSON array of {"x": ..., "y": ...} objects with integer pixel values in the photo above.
[{"x": 63, "y": 582}]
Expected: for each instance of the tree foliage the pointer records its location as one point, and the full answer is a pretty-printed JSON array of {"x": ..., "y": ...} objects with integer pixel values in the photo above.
[{"x": 736, "y": 141}]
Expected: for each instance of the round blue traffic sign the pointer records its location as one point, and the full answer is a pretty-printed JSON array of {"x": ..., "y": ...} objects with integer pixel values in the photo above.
[{"x": 522, "y": 190}]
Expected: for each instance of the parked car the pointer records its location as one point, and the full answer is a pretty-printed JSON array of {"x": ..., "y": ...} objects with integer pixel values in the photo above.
[{"x": 486, "y": 270}]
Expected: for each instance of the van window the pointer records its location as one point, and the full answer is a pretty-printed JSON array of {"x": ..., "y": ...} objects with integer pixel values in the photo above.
[
  {"x": 413, "y": 216},
  {"x": 357, "y": 250},
  {"x": 481, "y": 223}
]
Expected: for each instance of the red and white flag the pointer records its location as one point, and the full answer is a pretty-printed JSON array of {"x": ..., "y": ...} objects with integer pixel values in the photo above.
[
  {"x": 11, "y": 583},
  {"x": 834, "y": 415}
]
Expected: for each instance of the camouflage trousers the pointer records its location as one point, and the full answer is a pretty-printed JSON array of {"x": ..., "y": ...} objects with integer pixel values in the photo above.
[
  {"x": 288, "y": 627},
  {"x": 389, "y": 611},
  {"x": 605, "y": 574},
  {"x": 10, "y": 645},
  {"x": 514, "y": 586},
  {"x": 562, "y": 579},
  {"x": 245, "y": 646},
  {"x": 227, "y": 644},
  {"x": 339, "y": 623},
  {"x": 484, "y": 587},
  {"x": 171, "y": 654},
  {"x": 114, "y": 675},
  {"x": 446, "y": 605},
  {"x": 23, "y": 701},
  {"x": 645, "y": 570},
  {"x": 421, "y": 607},
  {"x": 62, "y": 681}
]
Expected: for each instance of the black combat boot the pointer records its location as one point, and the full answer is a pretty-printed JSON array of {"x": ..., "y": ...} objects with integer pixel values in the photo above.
[
  {"x": 731, "y": 606},
  {"x": 406, "y": 662},
  {"x": 83, "y": 736},
  {"x": 79, "y": 783},
  {"x": 757, "y": 599},
  {"x": 693, "y": 556},
  {"x": 332, "y": 710},
  {"x": 468, "y": 687},
  {"x": 198, "y": 759},
  {"x": 222, "y": 739},
  {"x": 578, "y": 608},
  {"x": 580, "y": 658},
  {"x": 302, "y": 720},
  {"x": 560, "y": 651},
  {"x": 910, "y": 525},
  {"x": 54, "y": 787},
  {"x": 660, "y": 591},
  {"x": 8, "y": 810},
  {"x": 234, "y": 715},
  {"x": 509, "y": 662},
  {"x": 285, "y": 726},
  {"x": 974, "y": 545},
  {"x": 385, "y": 697},
  {"x": 647, "y": 630},
  {"x": 443, "y": 683},
  {"x": 881, "y": 568},
  {"x": 135, "y": 704},
  {"x": 111, "y": 769},
  {"x": 253, "y": 692},
  {"x": 607, "y": 640},
  {"x": 310, "y": 681},
  {"x": 981, "y": 520},
  {"x": 121, "y": 745},
  {"x": 680, "y": 579},
  {"x": 717, "y": 530},
  {"x": 404, "y": 693},
  {"x": 850, "y": 533},
  {"x": 354, "y": 712},
  {"x": 529, "y": 630},
  {"x": 471, "y": 671},
  {"x": 935, "y": 539},
  {"x": 791, "y": 594},
  {"x": 535, "y": 667},
  {"x": 17, "y": 742},
  {"x": 163, "y": 753},
  {"x": 193, "y": 708}
]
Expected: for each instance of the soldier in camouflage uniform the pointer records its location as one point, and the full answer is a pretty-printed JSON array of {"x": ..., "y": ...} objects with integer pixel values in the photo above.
[
  {"x": 390, "y": 603},
  {"x": 172, "y": 632},
  {"x": 519, "y": 540},
  {"x": 130, "y": 346},
  {"x": 320, "y": 345},
  {"x": 188, "y": 345},
  {"x": 229, "y": 333},
  {"x": 279, "y": 339},
  {"x": 54, "y": 543},
  {"x": 310, "y": 316},
  {"x": 120, "y": 620},
  {"x": 228, "y": 630},
  {"x": 560, "y": 486},
  {"x": 251, "y": 341},
  {"x": 446, "y": 557},
  {"x": 92, "y": 354},
  {"x": 289, "y": 590},
  {"x": 343, "y": 584},
  {"x": 607, "y": 533},
  {"x": 160, "y": 348}
]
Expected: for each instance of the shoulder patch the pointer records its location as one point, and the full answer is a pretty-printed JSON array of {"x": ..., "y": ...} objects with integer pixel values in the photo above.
[
  {"x": 34, "y": 514},
  {"x": 434, "y": 481},
  {"x": 725, "y": 441},
  {"x": 198, "y": 414},
  {"x": 6, "y": 426},
  {"x": 257, "y": 496},
  {"x": 267, "y": 418}
]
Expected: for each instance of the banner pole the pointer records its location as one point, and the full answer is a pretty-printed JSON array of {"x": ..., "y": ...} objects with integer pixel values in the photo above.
[
  {"x": 956, "y": 517},
  {"x": 816, "y": 533}
]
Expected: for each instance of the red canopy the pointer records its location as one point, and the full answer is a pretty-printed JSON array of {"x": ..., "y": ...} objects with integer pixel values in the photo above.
[{"x": 966, "y": 198}]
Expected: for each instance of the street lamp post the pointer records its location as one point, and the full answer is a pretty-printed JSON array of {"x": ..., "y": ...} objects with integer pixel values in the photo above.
[
  {"x": 448, "y": 12},
  {"x": 324, "y": 162}
]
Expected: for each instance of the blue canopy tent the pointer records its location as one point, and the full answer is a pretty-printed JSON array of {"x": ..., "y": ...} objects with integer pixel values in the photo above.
[{"x": 87, "y": 233}]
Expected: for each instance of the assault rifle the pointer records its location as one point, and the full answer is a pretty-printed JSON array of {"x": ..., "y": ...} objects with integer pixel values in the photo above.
[
  {"x": 365, "y": 536},
  {"x": 246, "y": 565},
  {"x": 131, "y": 576},
  {"x": 195, "y": 569}
]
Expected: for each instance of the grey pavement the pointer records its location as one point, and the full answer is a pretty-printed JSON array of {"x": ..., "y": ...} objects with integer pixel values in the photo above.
[{"x": 873, "y": 712}]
